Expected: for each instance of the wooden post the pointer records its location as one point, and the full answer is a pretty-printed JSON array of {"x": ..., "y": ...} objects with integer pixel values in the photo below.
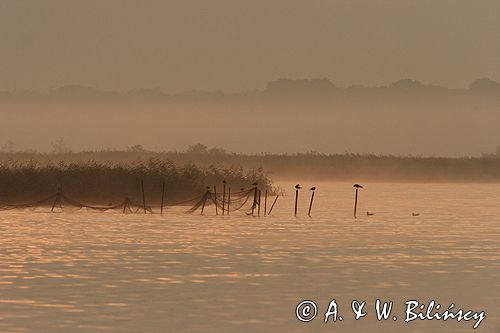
[
  {"x": 311, "y": 204},
  {"x": 265, "y": 203},
  {"x": 260, "y": 194},
  {"x": 296, "y": 201},
  {"x": 57, "y": 199},
  {"x": 143, "y": 197},
  {"x": 272, "y": 206},
  {"x": 254, "y": 199},
  {"x": 356, "y": 202},
  {"x": 223, "y": 196},
  {"x": 228, "y": 200},
  {"x": 204, "y": 201},
  {"x": 162, "y": 197},
  {"x": 357, "y": 187},
  {"x": 215, "y": 201}
]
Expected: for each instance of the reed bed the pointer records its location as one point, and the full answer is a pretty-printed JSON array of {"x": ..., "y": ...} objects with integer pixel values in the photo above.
[{"x": 104, "y": 183}]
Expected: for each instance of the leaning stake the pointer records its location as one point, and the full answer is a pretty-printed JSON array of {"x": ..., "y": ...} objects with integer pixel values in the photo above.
[
  {"x": 313, "y": 189},
  {"x": 204, "y": 201},
  {"x": 162, "y": 197},
  {"x": 272, "y": 206}
]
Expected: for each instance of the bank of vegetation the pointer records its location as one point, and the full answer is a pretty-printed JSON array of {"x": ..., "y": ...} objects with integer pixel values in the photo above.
[{"x": 109, "y": 182}]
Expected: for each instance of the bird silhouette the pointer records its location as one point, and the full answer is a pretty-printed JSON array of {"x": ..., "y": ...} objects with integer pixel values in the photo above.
[
  {"x": 357, "y": 186},
  {"x": 369, "y": 214},
  {"x": 255, "y": 184},
  {"x": 415, "y": 214},
  {"x": 298, "y": 187},
  {"x": 224, "y": 181},
  {"x": 313, "y": 188}
]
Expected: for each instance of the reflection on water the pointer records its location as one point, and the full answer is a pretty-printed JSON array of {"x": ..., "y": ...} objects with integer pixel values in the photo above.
[{"x": 107, "y": 272}]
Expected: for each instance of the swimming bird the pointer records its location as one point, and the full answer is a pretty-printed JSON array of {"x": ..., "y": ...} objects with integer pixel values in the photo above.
[
  {"x": 357, "y": 186},
  {"x": 313, "y": 188},
  {"x": 369, "y": 214},
  {"x": 415, "y": 214},
  {"x": 298, "y": 187}
]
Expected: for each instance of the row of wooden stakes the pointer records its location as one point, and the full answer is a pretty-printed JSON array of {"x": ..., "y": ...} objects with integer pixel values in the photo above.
[{"x": 313, "y": 191}]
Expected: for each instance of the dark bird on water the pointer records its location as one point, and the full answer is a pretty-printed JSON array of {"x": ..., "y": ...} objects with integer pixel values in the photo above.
[
  {"x": 369, "y": 214},
  {"x": 313, "y": 188},
  {"x": 415, "y": 214},
  {"x": 357, "y": 186},
  {"x": 298, "y": 187}
]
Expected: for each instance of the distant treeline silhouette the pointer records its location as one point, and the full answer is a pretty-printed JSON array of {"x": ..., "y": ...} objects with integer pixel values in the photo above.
[
  {"x": 25, "y": 180},
  {"x": 279, "y": 87},
  {"x": 199, "y": 166}
]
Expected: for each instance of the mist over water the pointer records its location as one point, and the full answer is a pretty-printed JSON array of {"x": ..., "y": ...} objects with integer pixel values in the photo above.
[{"x": 394, "y": 122}]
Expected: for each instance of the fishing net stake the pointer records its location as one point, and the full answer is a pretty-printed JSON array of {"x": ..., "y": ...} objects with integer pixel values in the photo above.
[
  {"x": 296, "y": 201},
  {"x": 228, "y": 200},
  {"x": 162, "y": 197},
  {"x": 258, "y": 211},
  {"x": 265, "y": 203},
  {"x": 143, "y": 197},
  {"x": 272, "y": 206},
  {"x": 223, "y": 196},
  {"x": 126, "y": 205},
  {"x": 57, "y": 199},
  {"x": 254, "y": 199},
  {"x": 204, "y": 201},
  {"x": 357, "y": 187},
  {"x": 311, "y": 204},
  {"x": 215, "y": 200}
]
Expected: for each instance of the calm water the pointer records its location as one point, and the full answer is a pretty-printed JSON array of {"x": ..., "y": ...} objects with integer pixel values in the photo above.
[{"x": 108, "y": 272}]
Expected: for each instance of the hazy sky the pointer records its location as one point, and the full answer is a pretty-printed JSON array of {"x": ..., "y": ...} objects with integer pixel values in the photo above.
[{"x": 239, "y": 45}]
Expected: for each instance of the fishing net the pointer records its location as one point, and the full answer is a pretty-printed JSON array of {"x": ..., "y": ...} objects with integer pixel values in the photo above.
[{"x": 244, "y": 200}]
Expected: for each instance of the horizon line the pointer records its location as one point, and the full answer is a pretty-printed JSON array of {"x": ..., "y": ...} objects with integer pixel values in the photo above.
[{"x": 407, "y": 83}]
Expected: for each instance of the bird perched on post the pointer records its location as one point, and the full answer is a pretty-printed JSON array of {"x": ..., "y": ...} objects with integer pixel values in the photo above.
[
  {"x": 255, "y": 184},
  {"x": 313, "y": 188},
  {"x": 297, "y": 188},
  {"x": 357, "y": 187}
]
